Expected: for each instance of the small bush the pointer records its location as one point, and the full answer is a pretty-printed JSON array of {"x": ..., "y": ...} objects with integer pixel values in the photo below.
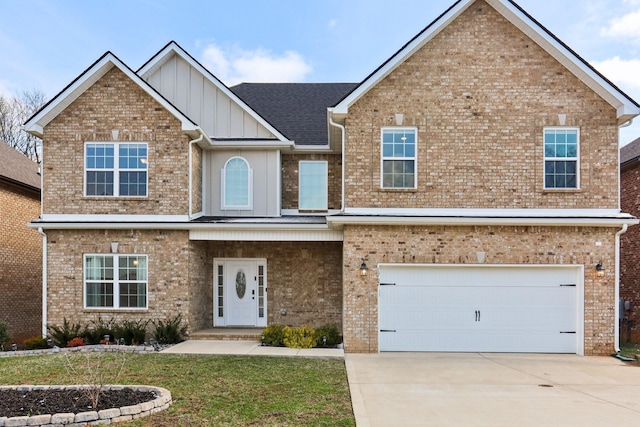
[
  {"x": 302, "y": 337},
  {"x": 4, "y": 335},
  {"x": 170, "y": 331},
  {"x": 332, "y": 334},
  {"x": 132, "y": 332},
  {"x": 274, "y": 335},
  {"x": 35, "y": 343},
  {"x": 75, "y": 342},
  {"x": 94, "y": 333},
  {"x": 61, "y": 335}
]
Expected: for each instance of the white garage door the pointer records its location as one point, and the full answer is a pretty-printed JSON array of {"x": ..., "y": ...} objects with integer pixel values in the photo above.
[{"x": 478, "y": 309}]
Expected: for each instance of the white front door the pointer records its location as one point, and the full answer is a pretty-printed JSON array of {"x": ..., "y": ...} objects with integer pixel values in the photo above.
[{"x": 240, "y": 292}]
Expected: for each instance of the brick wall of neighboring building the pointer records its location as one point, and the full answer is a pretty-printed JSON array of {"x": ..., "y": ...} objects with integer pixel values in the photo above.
[
  {"x": 480, "y": 93},
  {"x": 458, "y": 245},
  {"x": 116, "y": 103},
  {"x": 290, "y": 178},
  {"x": 20, "y": 263},
  {"x": 630, "y": 254}
]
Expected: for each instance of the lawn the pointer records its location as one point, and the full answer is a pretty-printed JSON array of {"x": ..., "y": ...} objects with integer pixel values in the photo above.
[{"x": 212, "y": 390}]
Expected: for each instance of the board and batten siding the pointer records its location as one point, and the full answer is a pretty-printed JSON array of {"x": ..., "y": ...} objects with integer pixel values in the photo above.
[{"x": 203, "y": 102}]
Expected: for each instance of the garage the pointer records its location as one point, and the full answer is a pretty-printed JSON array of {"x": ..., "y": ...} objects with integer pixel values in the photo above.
[{"x": 531, "y": 309}]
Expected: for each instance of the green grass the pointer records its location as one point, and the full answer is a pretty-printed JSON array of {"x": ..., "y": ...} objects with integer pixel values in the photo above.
[
  {"x": 629, "y": 349},
  {"x": 219, "y": 390}
]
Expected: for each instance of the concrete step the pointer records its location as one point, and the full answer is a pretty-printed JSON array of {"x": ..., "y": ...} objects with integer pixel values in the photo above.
[{"x": 227, "y": 334}]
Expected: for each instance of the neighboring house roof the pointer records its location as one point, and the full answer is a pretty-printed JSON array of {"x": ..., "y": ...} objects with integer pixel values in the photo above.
[
  {"x": 630, "y": 152},
  {"x": 35, "y": 125},
  {"x": 626, "y": 107},
  {"x": 299, "y": 110},
  {"x": 18, "y": 169}
]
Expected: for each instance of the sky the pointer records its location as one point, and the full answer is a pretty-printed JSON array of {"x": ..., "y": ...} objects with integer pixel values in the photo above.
[{"x": 45, "y": 44}]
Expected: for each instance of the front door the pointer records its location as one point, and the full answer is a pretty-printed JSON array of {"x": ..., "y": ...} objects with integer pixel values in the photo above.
[{"x": 240, "y": 292}]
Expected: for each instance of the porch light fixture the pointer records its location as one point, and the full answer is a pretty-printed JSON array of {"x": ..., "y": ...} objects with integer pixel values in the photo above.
[
  {"x": 363, "y": 269},
  {"x": 599, "y": 269}
]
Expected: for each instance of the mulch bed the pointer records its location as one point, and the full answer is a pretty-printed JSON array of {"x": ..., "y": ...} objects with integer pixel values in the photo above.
[{"x": 14, "y": 403}]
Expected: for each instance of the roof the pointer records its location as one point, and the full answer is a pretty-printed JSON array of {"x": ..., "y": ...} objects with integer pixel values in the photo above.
[
  {"x": 298, "y": 110},
  {"x": 630, "y": 152},
  {"x": 626, "y": 107},
  {"x": 18, "y": 168}
]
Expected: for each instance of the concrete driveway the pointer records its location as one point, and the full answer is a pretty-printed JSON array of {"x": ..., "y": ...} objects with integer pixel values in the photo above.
[{"x": 471, "y": 389}]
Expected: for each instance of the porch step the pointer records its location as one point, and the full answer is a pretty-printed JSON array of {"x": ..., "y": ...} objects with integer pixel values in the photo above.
[{"x": 227, "y": 334}]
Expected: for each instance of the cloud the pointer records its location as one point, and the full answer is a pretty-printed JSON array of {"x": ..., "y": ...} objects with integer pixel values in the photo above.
[
  {"x": 234, "y": 66},
  {"x": 625, "y": 27},
  {"x": 623, "y": 72}
]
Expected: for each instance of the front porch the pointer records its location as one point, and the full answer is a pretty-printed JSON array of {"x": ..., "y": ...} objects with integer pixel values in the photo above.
[{"x": 227, "y": 334}]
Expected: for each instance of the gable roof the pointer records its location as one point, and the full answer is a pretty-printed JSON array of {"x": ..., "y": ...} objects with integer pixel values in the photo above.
[
  {"x": 17, "y": 168},
  {"x": 630, "y": 152},
  {"x": 172, "y": 48},
  {"x": 298, "y": 110},
  {"x": 626, "y": 107},
  {"x": 35, "y": 125}
]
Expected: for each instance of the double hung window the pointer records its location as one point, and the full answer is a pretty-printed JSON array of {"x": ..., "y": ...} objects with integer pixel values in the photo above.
[
  {"x": 561, "y": 154},
  {"x": 115, "y": 281},
  {"x": 116, "y": 169},
  {"x": 399, "y": 158},
  {"x": 312, "y": 186}
]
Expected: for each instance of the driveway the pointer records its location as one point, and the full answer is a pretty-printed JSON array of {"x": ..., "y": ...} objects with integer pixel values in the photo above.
[{"x": 471, "y": 389}]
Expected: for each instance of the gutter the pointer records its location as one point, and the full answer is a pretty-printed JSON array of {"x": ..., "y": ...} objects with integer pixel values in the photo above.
[
  {"x": 342, "y": 130},
  {"x": 44, "y": 282},
  {"x": 617, "y": 290}
]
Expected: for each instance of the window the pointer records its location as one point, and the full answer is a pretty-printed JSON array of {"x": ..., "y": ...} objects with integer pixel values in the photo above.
[
  {"x": 116, "y": 169},
  {"x": 312, "y": 188},
  {"x": 399, "y": 158},
  {"x": 236, "y": 184},
  {"x": 115, "y": 281},
  {"x": 561, "y": 167}
]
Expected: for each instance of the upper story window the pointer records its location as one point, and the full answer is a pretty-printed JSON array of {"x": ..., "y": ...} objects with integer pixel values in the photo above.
[
  {"x": 312, "y": 186},
  {"x": 116, "y": 169},
  {"x": 237, "y": 179},
  {"x": 399, "y": 158},
  {"x": 115, "y": 281},
  {"x": 561, "y": 153}
]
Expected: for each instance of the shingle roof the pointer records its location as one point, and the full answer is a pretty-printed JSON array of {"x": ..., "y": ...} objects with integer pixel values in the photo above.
[
  {"x": 630, "y": 151},
  {"x": 297, "y": 110},
  {"x": 18, "y": 168}
]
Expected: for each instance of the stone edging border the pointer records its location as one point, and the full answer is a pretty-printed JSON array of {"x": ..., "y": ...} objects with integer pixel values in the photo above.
[
  {"x": 81, "y": 419},
  {"x": 137, "y": 349}
]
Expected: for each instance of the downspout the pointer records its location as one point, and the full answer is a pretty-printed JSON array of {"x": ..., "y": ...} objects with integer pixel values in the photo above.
[
  {"x": 44, "y": 282},
  {"x": 193, "y": 141},
  {"x": 626, "y": 124},
  {"x": 617, "y": 293},
  {"x": 342, "y": 130}
]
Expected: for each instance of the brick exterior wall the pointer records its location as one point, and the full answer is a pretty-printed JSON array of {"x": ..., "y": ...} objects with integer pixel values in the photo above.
[
  {"x": 480, "y": 94},
  {"x": 290, "y": 178},
  {"x": 458, "y": 245},
  {"x": 630, "y": 255},
  {"x": 115, "y": 102},
  {"x": 20, "y": 263}
]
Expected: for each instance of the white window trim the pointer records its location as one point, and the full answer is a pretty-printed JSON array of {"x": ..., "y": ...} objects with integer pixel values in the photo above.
[
  {"x": 223, "y": 199},
  {"x": 545, "y": 158},
  {"x": 414, "y": 158},
  {"x": 116, "y": 282},
  {"x": 325, "y": 208},
  {"x": 116, "y": 169}
]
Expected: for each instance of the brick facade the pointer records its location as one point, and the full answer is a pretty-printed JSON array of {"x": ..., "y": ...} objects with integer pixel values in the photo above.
[
  {"x": 630, "y": 254},
  {"x": 21, "y": 262},
  {"x": 290, "y": 178},
  {"x": 458, "y": 245}
]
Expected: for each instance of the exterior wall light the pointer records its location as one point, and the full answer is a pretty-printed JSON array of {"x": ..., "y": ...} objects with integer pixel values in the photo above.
[
  {"x": 599, "y": 269},
  {"x": 363, "y": 269}
]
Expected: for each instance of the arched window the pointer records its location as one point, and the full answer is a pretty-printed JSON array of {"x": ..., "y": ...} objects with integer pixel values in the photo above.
[{"x": 236, "y": 184}]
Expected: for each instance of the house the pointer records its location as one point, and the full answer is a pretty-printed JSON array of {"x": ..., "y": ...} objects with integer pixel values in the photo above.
[
  {"x": 20, "y": 246},
  {"x": 629, "y": 310},
  {"x": 462, "y": 197}
]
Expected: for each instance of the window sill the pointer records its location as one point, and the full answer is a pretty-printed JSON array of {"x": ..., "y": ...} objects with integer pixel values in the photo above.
[
  {"x": 115, "y": 198},
  {"x": 399, "y": 190},
  {"x": 114, "y": 310},
  {"x": 561, "y": 190}
]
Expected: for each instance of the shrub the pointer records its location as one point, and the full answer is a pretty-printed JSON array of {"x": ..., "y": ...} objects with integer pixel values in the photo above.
[
  {"x": 94, "y": 333},
  {"x": 302, "y": 337},
  {"x": 274, "y": 335},
  {"x": 35, "y": 343},
  {"x": 75, "y": 342},
  {"x": 132, "y": 332},
  {"x": 62, "y": 335},
  {"x": 4, "y": 335},
  {"x": 332, "y": 334},
  {"x": 170, "y": 331}
]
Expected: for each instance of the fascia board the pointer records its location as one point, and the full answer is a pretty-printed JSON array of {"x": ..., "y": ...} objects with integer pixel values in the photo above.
[
  {"x": 174, "y": 49},
  {"x": 251, "y": 144}
]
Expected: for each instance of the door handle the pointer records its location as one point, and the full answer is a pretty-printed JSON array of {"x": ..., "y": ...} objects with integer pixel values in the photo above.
[{"x": 478, "y": 315}]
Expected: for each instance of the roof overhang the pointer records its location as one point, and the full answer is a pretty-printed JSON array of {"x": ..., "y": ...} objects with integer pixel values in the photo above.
[{"x": 626, "y": 107}]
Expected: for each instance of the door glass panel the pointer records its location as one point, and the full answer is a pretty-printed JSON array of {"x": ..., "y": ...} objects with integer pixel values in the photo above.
[
  {"x": 220, "y": 291},
  {"x": 241, "y": 283},
  {"x": 261, "y": 293}
]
